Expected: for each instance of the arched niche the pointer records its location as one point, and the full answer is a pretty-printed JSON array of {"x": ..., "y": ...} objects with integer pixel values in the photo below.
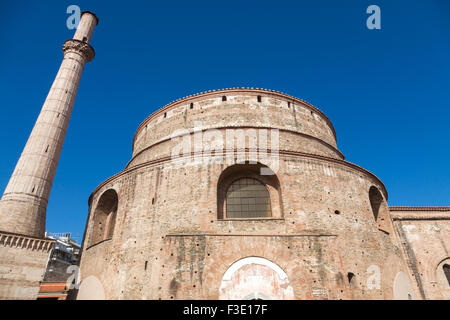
[
  {"x": 443, "y": 277},
  {"x": 104, "y": 219},
  {"x": 91, "y": 288},
  {"x": 403, "y": 289},
  {"x": 255, "y": 278},
  {"x": 380, "y": 210}
]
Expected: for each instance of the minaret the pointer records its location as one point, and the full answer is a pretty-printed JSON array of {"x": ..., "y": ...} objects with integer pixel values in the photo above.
[{"x": 24, "y": 202}]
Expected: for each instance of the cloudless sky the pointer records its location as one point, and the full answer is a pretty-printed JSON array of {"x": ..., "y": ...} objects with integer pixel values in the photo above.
[{"x": 387, "y": 92}]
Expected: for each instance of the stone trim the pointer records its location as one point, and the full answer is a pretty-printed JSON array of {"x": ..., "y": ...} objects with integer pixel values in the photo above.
[
  {"x": 242, "y": 90},
  {"x": 14, "y": 240},
  {"x": 79, "y": 47}
]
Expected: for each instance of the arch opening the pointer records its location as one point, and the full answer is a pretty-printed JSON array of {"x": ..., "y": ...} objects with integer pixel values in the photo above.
[
  {"x": 244, "y": 193},
  {"x": 403, "y": 289},
  {"x": 105, "y": 215},
  {"x": 379, "y": 210}
]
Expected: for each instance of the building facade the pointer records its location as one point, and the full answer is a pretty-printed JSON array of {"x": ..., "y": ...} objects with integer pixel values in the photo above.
[
  {"x": 62, "y": 268},
  {"x": 229, "y": 194},
  {"x": 65, "y": 253},
  {"x": 243, "y": 194}
]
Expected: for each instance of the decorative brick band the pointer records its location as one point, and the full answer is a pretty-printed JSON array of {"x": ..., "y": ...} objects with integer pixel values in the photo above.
[
  {"x": 249, "y": 235},
  {"x": 329, "y": 146},
  {"x": 13, "y": 240}
]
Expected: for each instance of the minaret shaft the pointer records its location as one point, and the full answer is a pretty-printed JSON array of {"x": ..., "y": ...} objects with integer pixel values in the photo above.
[{"x": 24, "y": 202}]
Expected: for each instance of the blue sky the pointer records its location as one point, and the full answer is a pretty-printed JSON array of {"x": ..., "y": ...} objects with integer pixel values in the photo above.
[{"x": 386, "y": 91}]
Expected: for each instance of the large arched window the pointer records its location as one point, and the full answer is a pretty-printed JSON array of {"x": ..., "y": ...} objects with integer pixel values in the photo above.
[
  {"x": 247, "y": 198},
  {"x": 104, "y": 219},
  {"x": 249, "y": 191}
]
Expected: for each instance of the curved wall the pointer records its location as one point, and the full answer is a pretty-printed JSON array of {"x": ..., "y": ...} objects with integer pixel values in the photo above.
[
  {"x": 170, "y": 242},
  {"x": 296, "y": 120}
]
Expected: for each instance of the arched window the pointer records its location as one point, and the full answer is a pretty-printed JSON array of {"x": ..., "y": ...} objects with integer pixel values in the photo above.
[
  {"x": 375, "y": 201},
  {"x": 380, "y": 210},
  {"x": 104, "y": 219},
  {"x": 247, "y": 198},
  {"x": 446, "y": 268},
  {"x": 247, "y": 190}
]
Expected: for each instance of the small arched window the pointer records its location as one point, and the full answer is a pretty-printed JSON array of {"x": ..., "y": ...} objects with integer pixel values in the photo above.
[
  {"x": 446, "y": 268},
  {"x": 247, "y": 198},
  {"x": 351, "y": 279}
]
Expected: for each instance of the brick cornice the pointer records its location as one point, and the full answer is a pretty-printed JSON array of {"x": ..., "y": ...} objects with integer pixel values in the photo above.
[
  {"x": 399, "y": 213},
  {"x": 281, "y": 152},
  {"x": 242, "y": 90},
  {"x": 409, "y": 208},
  {"x": 15, "y": 240}
]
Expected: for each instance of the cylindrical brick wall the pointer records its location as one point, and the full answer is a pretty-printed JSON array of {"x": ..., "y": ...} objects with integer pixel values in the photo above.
[{"x": 170, "y": 240}]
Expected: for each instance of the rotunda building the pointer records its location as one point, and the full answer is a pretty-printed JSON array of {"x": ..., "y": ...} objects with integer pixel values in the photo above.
[{"x": 241, "y": 194}]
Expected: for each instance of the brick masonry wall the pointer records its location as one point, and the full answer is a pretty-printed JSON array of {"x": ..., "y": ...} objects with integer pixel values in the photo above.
[
  {"x": 22, "y": 265},
  {"x": 168, "y": 242}
]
